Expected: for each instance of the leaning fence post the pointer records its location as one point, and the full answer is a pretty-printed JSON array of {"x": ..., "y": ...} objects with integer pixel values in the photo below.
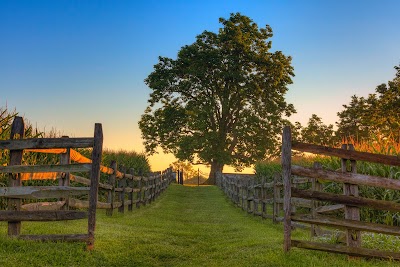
[
  {"x": 286, "y": 173},
  {"x": 111, "y": 193},
  {"x": 17, "y": 132}
]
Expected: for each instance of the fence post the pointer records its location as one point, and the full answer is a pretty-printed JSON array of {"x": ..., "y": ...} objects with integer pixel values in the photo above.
[
  {"x": 263, "y": 198},
  {"x": 17, "y": 132},
  {"x": 316, "y": 186},
  {"x": 65, "y": 158},
  {"x": 286, "y": 172},
  {"x": 139, "y": 193},
  {"x": 130, "y": 194},
  {"x": 353, "y": 237},
  {"x": 111, "y": 193},
  {"x": 94, "y": 183},
  {"x": 121, "y": 185},
  {"x": 276, "y": 198}
]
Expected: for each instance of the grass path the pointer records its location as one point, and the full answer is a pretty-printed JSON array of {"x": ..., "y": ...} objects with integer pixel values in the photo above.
[{"x": 186, "y": 226}]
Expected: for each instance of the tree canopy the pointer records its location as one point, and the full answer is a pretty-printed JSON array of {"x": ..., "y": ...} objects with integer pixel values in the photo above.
[
  {"x": 379, "y": 113},
  {"x": 221, "y": 101}
]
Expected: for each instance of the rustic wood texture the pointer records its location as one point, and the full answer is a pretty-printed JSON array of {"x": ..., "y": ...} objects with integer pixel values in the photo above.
[
  {"x": 44, "y": 215},
  {"x": 86, "y": 181},
  {"x": 347, "y": 200},
  {"x": 347, "y": 154},
  {"x": 84, "y": 204},
  {"x": 64, "y": 179},
  {"x": 316, "y": 186},
  {"x": 58, "y": 205},
  {"x": 94, "y": 178},
  {"x": 38, "y": 192},
  {"x": 352, "y": 251},
  {"x": 353, "y": 237},
  {"x": 348, "y": 224},
  {"x": 40, "y": 143},
  {"x": 14, "y": 180},
  {"x": 352, "y": 178},
  {"x": 286, "y": 174},
  {"x": 77, "y": 167}
]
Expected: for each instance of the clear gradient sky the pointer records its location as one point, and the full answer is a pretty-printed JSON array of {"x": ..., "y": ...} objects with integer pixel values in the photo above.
[{"x": 67, "y": 64}]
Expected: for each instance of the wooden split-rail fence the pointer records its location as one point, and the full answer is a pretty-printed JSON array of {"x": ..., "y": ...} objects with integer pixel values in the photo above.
[
  {"x": 122, "y": 188},
  {"x": 349, "y": 200},
  {"x": 261, "y": 196}
]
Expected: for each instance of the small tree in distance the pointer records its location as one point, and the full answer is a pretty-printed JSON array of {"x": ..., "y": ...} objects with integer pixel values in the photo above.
[{"x": 222, "y": 100}]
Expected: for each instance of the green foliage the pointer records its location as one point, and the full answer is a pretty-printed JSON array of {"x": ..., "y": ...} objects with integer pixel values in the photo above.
[
  {"x": 378, "y": 113},
  {"x": 316, "y": 132},
  {"x": 186, "y": 226},
  {"x": 222, "y": 100},
  {"x": 267, "y": 169},
  {"x": 129, "y": 159}
]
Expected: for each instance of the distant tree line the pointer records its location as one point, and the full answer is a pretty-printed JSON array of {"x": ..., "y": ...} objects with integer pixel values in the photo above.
[{"x": 375, "y": 115}]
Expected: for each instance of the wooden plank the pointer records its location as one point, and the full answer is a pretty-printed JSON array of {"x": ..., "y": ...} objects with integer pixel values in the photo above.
[
  {"x": 84, "y": 204},
  {"x": 347, "y": 154},
  {"x": 351, "y": 178},
  {"x": 86, "y": 181},
  {"x": 347, "y": 200},
  {"x": 56, "y": 238},
  {"x": 316, "y": 186},
  {"x": 348, "y": 224},
  {"x": 353, "y": 238},
  {"x": 43, "y": 215},
  {"x": 352, "y": 251},
  {"x": 33, "y": 143},
  {"x": 286, "y": 174},
  {"x": 58, "y": 205},
  {"x": 94, "y": 186},
  {"x": 329, "y": 208},
  {"x": 77, "y": 167},
  {"x": 17, "y": 132},
  {"x": 38, "y": 192}
]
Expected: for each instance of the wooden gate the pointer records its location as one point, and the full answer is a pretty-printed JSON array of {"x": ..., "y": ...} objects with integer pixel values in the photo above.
[
  {"x": 15, "y": 192},
  {"x": 350, "y": 199}
]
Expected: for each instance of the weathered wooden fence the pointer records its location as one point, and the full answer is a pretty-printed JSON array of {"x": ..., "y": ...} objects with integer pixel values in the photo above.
[
  {"x": 261, "y": 196},
  {"x": 349, "y": 199},
  {"x": 16, "y": 192},
  {"x": 120, "y": 190}
]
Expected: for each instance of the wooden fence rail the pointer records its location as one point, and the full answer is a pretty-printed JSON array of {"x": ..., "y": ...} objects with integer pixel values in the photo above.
[
  {"x": 122, "y": 188},
  {"x": 349, "y": 200},
  {"x": 261, "y": 196}
]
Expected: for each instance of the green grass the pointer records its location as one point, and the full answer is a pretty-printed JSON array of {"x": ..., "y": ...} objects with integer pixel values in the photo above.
[{"x": 186, "y": 226}]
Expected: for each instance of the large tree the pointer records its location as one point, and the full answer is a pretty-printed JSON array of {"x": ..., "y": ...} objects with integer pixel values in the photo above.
[{"x": 222, "y": 100}]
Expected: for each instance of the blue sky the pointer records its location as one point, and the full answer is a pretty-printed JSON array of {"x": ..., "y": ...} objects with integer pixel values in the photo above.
[{"x": 68, "y": 64}]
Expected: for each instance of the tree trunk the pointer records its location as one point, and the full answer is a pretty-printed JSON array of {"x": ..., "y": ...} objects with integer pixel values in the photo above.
[{"x": 215, "y": 167}]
